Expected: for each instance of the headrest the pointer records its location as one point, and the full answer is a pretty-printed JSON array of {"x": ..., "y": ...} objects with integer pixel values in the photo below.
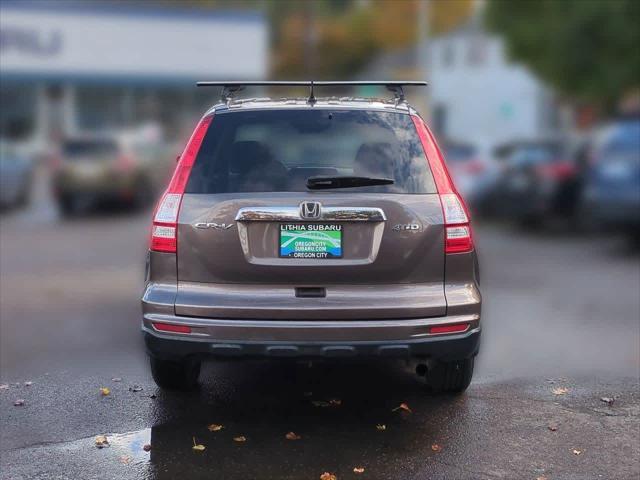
[
  {"x": 374, "y": 159},
  {"x": 248, "y": 155}
]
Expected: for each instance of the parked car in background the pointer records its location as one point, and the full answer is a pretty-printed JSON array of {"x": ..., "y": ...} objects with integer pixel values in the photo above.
[
  {"x": 475, "y": 172},
  {"x": 539, "y": 180},
  {"x": 108, "y": 168},
  {"x": 16, "y": 174},
  {"x": 612, "y": 185}
]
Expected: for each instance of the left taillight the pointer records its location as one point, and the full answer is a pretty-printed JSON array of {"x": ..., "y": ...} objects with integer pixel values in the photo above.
[
  {"x": 164, "y": 231},
  {"x": 457, "y": 224}
]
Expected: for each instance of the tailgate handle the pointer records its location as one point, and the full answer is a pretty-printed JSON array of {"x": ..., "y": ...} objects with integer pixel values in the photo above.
[
  {"x": 311, "y": 292},
  {"x": 327, "y": 214}
]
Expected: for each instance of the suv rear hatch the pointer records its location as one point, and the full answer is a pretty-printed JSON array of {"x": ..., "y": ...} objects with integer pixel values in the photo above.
[{"x": 255, "y": 242}]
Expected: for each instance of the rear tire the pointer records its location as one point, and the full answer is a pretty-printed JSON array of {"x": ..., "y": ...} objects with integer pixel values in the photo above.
[
  {"x": 181, "y": 375},
  {"x": 450, "y": 377}
]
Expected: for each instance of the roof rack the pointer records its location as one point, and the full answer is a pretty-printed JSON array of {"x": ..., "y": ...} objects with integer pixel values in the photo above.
[{"x": 230, "y": 88}]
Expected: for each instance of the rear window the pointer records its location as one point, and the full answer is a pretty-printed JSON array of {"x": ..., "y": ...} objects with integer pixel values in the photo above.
[
  {"x": 277, "y": 150},
  {"x": 459, "y": 153},
  {"x": 536, "y": 154},
  {"x": 81, "y": 148},
  {"x": 625, "y": 139}
]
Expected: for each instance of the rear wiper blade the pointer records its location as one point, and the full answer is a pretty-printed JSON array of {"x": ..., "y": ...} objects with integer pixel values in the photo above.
[{"x": 321, "y": 183}]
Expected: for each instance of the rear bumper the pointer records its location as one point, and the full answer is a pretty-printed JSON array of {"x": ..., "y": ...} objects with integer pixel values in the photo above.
[
  {"x": 108, "y": 185},
  {"x": 263, "y": 338},
  {"x": 616, "y": 213}
]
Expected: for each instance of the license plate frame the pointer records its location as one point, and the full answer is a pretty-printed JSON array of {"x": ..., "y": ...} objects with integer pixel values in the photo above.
[{"x": 314, "y": 241}]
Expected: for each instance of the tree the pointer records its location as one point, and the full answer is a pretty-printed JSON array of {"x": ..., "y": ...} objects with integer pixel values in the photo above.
[
  {"x": 588, "y": 49},
  {"x": 351, "y": 33},
  {"x": 336, "y": 38}
]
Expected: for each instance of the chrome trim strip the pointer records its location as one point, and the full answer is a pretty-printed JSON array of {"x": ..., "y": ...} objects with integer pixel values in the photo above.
[
  {"x": 305, "y": 337},
  {"x": 292, "y": 214},
  {"x": 312, "y": 324}
]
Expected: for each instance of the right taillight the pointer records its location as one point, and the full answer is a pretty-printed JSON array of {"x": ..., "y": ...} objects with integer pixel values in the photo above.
[
  {"x": 458, "y": 235},
  {"x": 164, "y": 232}
]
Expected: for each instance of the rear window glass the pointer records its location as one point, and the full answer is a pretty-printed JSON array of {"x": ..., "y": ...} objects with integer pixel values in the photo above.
[
  {"x": 536, "y": 154},
  {"x": 80, "y": 148},
  {"x": 277, "y": 150},
  {"x": 625, "y": 139},
  {"x": 459, "y": 153}
]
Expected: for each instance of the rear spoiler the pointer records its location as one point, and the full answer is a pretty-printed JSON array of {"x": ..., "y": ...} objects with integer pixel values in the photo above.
[{"x": 229, "y": 88}]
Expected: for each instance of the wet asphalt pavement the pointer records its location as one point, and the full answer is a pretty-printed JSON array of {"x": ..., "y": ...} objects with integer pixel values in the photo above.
[{"x": 561, "y": 311}]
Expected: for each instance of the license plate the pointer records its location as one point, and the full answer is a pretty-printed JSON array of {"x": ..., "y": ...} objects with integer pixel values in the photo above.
[{"x": 310, "y": 240}]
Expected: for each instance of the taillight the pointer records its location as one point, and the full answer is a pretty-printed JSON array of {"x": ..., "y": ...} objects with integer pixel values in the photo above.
[
  {"x": 164, "y": 232},
  {"x": 55, "y": 162},
  {"x": 474, "y": 167},
  {"x": 124, "y": 163},
  {"x": 458, "y": 235},
  {"x": 557, "y": 171}
]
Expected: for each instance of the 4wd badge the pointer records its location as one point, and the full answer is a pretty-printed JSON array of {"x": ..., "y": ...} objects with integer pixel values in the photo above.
[{"x": 401, "y": 227}]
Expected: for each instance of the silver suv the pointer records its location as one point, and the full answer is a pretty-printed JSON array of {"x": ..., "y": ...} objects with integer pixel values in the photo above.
[{"x": 312, "y": 228}]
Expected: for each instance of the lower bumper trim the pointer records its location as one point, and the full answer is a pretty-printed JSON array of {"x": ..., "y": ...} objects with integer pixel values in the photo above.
[{"x": 444, "y": 347}]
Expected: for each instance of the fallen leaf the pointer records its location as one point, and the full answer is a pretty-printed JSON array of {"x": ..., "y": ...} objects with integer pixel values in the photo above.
[
  {"x": 4, "y": 386},
  {"x": 240, "y": 439},
  {"x": 358, "y": 469},
  {"x": 553, "y": 427},
  {"x": 116, "y": 379},
  {"x": 576, "y": 451},
  {"x": 125, "y": 459},
  {"x": 436, "y": 448},
  {"x": 104, "y": 391},
  {"x": 102, "y": 441},
  {"x": 292, "y": 436},
  {"x": 328, "y": 476},
  {"x": 404, "y": 407},
  {"x": 608, "y": 400},
  {"x": 541, "y": 478},
  {"x": 19, "y": 403},
  {"x": 197, "y": 447},
  {"x": 28, "y": 384},
  {"x": 135, "y": 388},
  {"x": 146, "y": 447},
  {"x": 560, "y": 391},
  {"x": 214, "y": 427},
  {"x": 381, "y": 427}
]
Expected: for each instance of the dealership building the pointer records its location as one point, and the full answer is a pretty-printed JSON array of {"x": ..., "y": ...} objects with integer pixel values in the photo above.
[{"x": 67, "y": 68}]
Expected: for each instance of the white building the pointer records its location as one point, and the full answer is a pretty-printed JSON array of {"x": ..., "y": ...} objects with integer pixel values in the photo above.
[
  {"x": 477, "y": 93},
  {"x": 474, "y": 93},
  {"x": 66, "y": 67}
]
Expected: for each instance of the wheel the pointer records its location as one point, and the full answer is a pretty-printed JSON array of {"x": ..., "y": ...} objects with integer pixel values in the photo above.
[
  {"x": 175, "y": 375},
  {"x": 449, "y": 377},
  {"x": 143, "y": 195}
]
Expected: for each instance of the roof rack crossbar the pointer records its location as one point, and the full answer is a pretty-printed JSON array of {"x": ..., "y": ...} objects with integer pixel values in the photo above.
[{"x": 229, "y": 88}]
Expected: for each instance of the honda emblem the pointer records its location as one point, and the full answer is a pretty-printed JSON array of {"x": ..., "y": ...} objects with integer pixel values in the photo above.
[{"x": 310, "y": 210}]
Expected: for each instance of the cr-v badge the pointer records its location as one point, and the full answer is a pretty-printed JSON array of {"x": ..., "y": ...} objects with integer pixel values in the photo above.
[{"x": 217, "y": 226}]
